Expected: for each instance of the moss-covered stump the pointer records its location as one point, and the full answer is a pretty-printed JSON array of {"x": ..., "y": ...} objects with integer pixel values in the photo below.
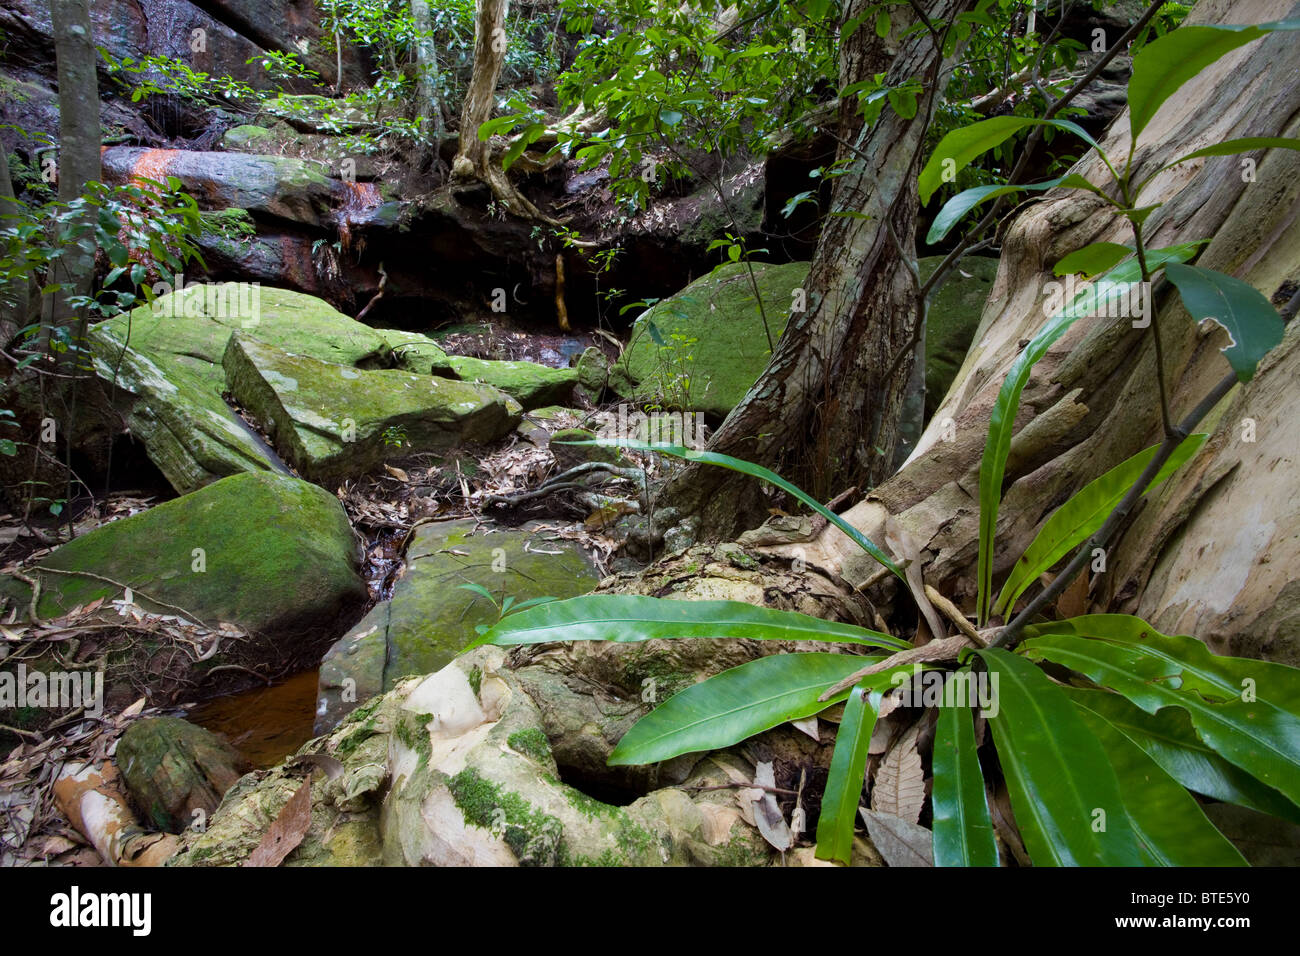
[
  {"x": 530, "y": 384},
  {"x": 173, "y": 769},
  {"x": 330, "y": 421},
  {"x": 271, "y": 554},
  {"x": 430, "y": 617},
  {"x": 955, "y": 309},
  {"x": 703, "y": 348},
  {"x": 170, "y": 379}
]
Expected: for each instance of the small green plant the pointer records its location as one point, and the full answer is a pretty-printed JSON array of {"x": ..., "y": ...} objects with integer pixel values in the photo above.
[
  {"x": 1101, "y": 756},
  {"x": 7, "y": 445},
  {"x": 502, "y": 607},
  {"x": 394, "y": 436}
]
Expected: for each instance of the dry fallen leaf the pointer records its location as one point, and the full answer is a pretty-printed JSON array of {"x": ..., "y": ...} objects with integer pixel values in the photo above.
[
  {"x": 900, "y": 843},
  {"x": 899, "y": 789},
  {"x": 286, "y": 832},
  {"x": 767, "y": 812},
  {"x": 397, "y": 473},
  {"x": 809, "y": 726}
]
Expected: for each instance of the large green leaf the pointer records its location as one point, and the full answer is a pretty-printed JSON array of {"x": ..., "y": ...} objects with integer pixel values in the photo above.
[
  {"x": 1230, "y": 147},
  {"x": 1002, "y": 420},
  {"x": 967, "y": 143},
  {"x": 1167, "y": 63},
  {"x": 1171, "y": 827},
  {"x": 843, "y": 791},
  {"x": 1169, "y": 740},
  {"x": 1253, "y": 324},
  {"x": 968, "y": 199},
  {"x": 963, "y": 831},
  {"x": 1093, "y": 259},
  {"x": 755, "y": 471},
  {"x": 629, "y": 618},
  {"x": 1260, "y": 734},
  {"x": 1063, "y": 791},
  {"x": 1076, "y": 520},
  {"x": 740, "y": 702}
]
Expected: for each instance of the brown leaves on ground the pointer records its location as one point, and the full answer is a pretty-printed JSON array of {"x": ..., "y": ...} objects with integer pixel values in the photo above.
[
  {"x": 286, "y": 832},
  {"x": 899, "y": 789}
]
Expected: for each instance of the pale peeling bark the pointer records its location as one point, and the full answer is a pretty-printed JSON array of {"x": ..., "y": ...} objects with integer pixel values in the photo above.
[{"x": 826, "y": 410}]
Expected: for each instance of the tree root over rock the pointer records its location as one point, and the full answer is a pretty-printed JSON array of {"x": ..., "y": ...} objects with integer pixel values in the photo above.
[{"x": 486, "y": 761}]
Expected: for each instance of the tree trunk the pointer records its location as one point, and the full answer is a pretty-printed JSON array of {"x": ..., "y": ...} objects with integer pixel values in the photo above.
[
  {"x": 1212, "y": 551},
  {"x": 79, "y": 140},
  {"x": 428, "y": 102},
  {"x": 825, "y": 412},
  {"x": 474, "y": 156}
]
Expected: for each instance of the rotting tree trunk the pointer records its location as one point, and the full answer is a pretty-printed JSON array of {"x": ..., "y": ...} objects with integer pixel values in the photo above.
[{"x": 825, "y": 412}]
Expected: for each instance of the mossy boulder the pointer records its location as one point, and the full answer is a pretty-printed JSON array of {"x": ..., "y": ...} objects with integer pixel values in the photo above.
[
  {"x": 330, "y": 420},
  {"x": 269, "y": 553},
  {"x": 530, "y": 384},
  {"x": 173, "y": 768},
  {"x": 955, "y": 309},
  {"x": 169, "y": 381},
  {"x": 430, "y": 617},
  {"x": 703, "y": 348}
]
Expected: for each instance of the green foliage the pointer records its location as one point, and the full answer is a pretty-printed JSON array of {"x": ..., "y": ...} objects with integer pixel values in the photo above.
[
  {"x": 847, "y": 774},
  {"x": 632, "y": 618},
  {"x": 740, "y": 702},
  {"x": 1099, "y": 756},
  {"x": 1063, "y": 789},
  {"x": 963, "y": 830},
  {"x": 1247, "y": 710},
  {"x": 1076, "y": 520},
  {"x": 763, "y": 474},
  {"x": 1253, "y": 325}
]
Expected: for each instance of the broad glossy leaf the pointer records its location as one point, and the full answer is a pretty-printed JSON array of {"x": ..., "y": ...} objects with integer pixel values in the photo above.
[
  {"x": 843, "y": 791},
  {"x": 963, "y": 830},
  {"x": 740, "y": 702},
  {"x": 1154, "y": 671},
  {"x": 1057, "y": 774},
  {"x": 1078, "y": 518},
  {"x": 1167, "y": 738},
  {"x": 1232, "y": 147},
  {"x": 1253, "y": 324},
  {"x": 968, "y": 199},
  {"x": 1093, "y": 259},
  {"x": 629, "y": 618},
  {"x": 964, "y": 145},
  {"x": 764, "y": 474},
  {"x": 1171, "y": 828},
  {"x": 1002, "y": 420},
  {"x": 1165, "y": 64}
]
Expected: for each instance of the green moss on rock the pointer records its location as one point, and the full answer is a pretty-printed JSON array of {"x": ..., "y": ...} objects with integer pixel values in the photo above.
[
  {"x": 704, "y": 347},
  {"x": 330, "y": 420},
  {"x": 277, "y": 555}
]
